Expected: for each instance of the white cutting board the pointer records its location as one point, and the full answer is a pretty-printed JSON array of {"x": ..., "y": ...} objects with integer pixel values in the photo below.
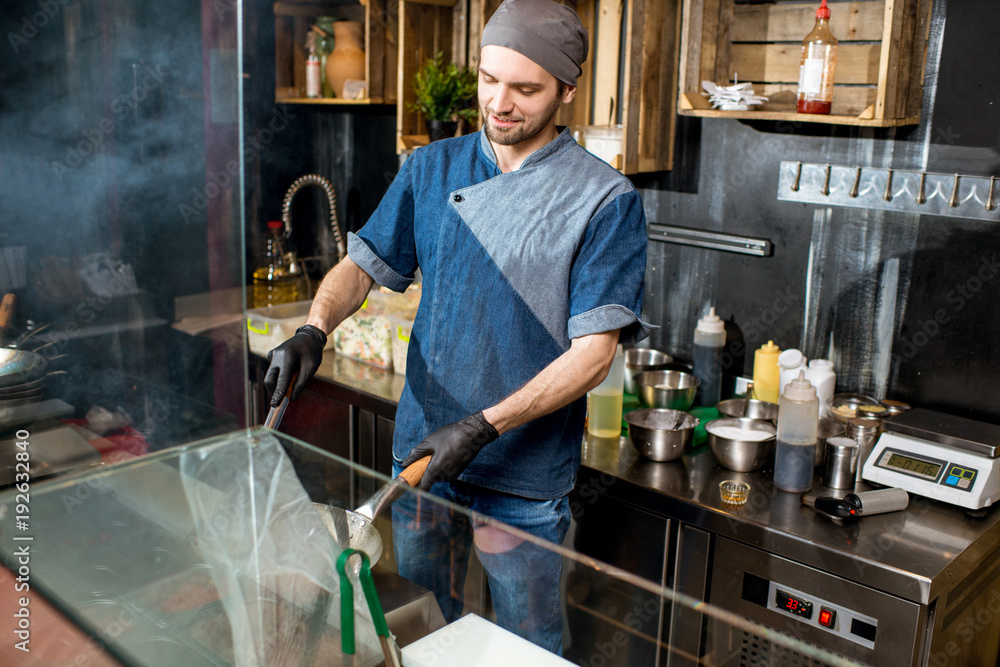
[{"x": 472, "y": 641}]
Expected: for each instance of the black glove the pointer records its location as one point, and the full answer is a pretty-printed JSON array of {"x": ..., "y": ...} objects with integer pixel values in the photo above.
[
  {"x": 452, "y": 449},
  {"x": 298, "y": 356}
]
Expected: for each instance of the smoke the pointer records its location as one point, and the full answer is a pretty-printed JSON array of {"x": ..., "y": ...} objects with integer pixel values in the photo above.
[{"x": 102, "y": 132}]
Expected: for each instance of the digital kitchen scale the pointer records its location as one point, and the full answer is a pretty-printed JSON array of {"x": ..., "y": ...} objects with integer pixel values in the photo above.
[{"x": 939, "y": 456}]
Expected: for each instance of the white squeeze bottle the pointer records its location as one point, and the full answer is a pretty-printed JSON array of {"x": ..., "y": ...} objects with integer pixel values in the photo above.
[
  {"x": 604, "y": 419},
  {"x": 790, "y": 362},
  {"x": 821, "y": 376},
  {"x": 798, "y": 421}
]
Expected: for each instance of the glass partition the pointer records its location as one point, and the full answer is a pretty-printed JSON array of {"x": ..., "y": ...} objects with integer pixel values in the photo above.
[
  {"x": 224, "y": 552},
  {"x": 121, "y": 242}
]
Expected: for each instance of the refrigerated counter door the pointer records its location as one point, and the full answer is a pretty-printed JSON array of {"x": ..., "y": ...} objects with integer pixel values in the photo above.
[{"x": 848, "y": 620}]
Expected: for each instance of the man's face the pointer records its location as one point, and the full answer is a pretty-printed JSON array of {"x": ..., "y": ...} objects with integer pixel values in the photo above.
[{"x": 517, "y": 98}]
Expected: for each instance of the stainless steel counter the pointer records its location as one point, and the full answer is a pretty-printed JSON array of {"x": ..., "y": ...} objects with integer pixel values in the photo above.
[{"x": 914, "y": 554}]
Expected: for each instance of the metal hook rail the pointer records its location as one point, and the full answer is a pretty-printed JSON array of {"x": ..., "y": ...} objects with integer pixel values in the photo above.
[{"x": 929, "y": 193}]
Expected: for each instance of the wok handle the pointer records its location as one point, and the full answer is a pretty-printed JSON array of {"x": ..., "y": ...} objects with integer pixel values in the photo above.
[
  {"x": 415, "y": 471},
  {"x": 275, "y": 414},
  {"x": 6, "y": 312}
]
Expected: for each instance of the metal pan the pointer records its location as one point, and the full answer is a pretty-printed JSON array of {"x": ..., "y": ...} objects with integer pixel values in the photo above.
[
  {"x": 19, "y": 366},
  {"x": 35, "y": 385},
  {"x": 356, "y": 529},
  {"x": 20, "y": 395}
]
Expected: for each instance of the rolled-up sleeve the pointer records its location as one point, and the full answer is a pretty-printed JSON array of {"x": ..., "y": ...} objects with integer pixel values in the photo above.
[
  {"x": 607, "y": 280},
  {"x": 385, "y": 247}
]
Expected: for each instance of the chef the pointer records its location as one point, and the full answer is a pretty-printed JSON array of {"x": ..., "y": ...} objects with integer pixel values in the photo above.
[{"x": 532, "y": 253}]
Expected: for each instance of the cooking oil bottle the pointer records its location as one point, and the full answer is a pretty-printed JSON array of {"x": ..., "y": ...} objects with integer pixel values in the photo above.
[
  {"x": 819, "y": 58},
  {"x": 273, "y": 282},
  {"x": 604, "y": 402}
]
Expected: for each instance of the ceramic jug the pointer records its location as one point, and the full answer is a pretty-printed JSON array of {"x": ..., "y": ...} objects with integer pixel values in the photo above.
[{"x": 347, "y": 60}]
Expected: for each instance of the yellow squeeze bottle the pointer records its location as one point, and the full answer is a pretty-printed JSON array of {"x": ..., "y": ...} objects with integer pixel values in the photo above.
[{"x": 765, "y": 373}]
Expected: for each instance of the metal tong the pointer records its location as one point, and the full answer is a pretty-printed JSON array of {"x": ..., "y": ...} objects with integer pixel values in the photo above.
[{"x": 390, "y": 651}]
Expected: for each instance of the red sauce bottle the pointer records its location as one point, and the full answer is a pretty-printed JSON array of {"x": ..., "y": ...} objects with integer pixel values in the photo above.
[{"x": 819, "y": 57}]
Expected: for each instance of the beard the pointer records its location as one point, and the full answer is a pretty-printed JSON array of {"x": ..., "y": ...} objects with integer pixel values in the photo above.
[{"x": 524, "y": 130}]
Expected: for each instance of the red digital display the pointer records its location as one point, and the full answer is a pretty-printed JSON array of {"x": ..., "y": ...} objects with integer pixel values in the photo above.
[
  {"x": 827, "y": 617},
  {"x": 793, "y": 604}
]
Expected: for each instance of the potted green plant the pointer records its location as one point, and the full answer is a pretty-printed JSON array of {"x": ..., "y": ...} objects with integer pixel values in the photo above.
[{"x": 445, "y": 94}]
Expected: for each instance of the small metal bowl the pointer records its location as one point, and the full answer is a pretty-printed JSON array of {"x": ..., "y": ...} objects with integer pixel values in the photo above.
[
  {"x": 844, "y": 406},
  {"x": 670, "y": 390},
  {"x": 640, "y": 360},
  {"x": 741, "y": 455},
  {"x": 751, "y": 409},
  {"x": 658, "y": 434}
]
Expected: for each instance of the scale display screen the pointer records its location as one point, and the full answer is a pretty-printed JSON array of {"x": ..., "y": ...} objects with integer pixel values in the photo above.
[{"x": 913, "y": 466}]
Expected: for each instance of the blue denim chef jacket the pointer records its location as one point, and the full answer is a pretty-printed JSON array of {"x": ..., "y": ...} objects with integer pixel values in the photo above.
[{"x": 514, "y": 266}]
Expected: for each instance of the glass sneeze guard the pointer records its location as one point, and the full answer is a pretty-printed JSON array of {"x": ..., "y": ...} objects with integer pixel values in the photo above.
[{"x": 213, "y": 553}]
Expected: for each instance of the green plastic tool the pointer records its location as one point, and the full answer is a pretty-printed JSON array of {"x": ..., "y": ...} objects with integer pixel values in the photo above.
[{"x": 389, "y": 649}]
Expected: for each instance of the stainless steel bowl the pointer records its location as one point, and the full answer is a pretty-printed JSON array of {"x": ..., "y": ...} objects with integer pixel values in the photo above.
[
  {"x": 751, "y": 409},
  {"x": 741, "y": 455},
  {"x": 844, "y": 406},
  {"x": 671, "y": 390},
  {"x": 658, "y": 434},
  {"x": 640, "y": 360}
]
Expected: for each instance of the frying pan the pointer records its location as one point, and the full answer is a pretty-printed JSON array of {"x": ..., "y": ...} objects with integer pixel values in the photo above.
[
  {"x": 356, "y": 529},
  {"x": 35, "y": 385}
]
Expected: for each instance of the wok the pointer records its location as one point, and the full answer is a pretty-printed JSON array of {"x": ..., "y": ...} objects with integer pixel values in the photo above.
[
  {"x": 19, "y": 366},
  {"x": 356, "y": 529}
]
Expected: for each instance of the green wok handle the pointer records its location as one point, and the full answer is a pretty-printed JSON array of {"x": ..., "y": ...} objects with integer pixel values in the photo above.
[
  {"x": 371, "y": 596},
  {"x": 347, "y": 601}
]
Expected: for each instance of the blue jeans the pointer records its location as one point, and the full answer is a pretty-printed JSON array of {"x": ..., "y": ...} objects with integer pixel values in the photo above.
[{"x": 433, "y": 542}]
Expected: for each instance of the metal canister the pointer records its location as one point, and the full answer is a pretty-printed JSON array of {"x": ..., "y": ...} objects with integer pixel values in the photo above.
[
  {"x": 841, "y": 462},
  {"x": 865, "y": 432},
  {"x": 828, "y": 428}
]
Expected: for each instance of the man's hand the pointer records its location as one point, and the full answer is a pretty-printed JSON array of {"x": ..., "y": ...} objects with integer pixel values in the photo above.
[
  {"x": 452, "y": 449},
  {"x": 298, "y": 357}
]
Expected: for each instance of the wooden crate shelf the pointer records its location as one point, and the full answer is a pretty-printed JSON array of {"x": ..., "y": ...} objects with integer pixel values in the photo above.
[
  {"x": 292, "y": 21},
  {"x": 881, "y": 53},
  {"x": 426, "y": 27},
  {"x": 401, "y": 34}
]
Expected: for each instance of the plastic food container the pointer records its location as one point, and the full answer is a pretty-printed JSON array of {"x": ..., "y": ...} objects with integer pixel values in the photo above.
[
  {"x": 270, "y": 326},
  {"x": 368, "y": 334},
  {"x": 605, "y": 142},
  {"x": 401, "y": 328}
]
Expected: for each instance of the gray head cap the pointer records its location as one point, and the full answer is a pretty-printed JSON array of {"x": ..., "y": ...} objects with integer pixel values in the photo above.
[{"x": 546, "y": 32}]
